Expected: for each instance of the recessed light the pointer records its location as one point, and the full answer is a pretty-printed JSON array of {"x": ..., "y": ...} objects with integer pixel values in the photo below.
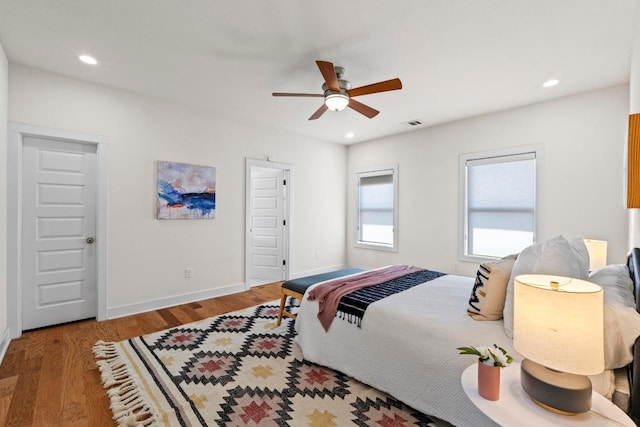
[
  {"x": 349, "y": 135},
  {"x": 88, "y": 59},
  {"x": 550, "y": 83}
]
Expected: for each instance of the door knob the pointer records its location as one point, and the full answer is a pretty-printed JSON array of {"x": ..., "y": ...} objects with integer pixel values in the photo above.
[{"x": 90, "y": 240}]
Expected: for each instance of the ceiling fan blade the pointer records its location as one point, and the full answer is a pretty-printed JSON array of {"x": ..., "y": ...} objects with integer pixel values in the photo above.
[
  {"x": 329, "y": 74},
  {"x": 385, "y": 86},
  {"x": 320, "y": 111},
  {"x": 314, "y": 95},
  {"x": 363, "y": 109}
]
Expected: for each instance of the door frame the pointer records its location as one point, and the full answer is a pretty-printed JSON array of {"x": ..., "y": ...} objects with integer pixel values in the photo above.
[
  {"x": 287, "y": 214},
  {"x": 16, "y": 133}
]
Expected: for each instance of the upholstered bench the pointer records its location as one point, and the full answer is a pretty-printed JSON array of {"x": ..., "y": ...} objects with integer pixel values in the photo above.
[{"x": 295, "y": 288}]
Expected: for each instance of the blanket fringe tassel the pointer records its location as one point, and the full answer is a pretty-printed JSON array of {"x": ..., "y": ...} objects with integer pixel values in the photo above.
[
  {"x": 128, "y": 405},
  {"x": 349, "y": 317}
]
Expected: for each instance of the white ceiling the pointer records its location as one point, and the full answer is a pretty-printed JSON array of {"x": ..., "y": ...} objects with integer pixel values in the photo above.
[{"x": 456, "y": 58}]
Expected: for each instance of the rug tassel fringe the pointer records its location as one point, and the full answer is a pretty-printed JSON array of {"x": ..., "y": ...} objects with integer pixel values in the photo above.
[{"x": 128, "y": 405}]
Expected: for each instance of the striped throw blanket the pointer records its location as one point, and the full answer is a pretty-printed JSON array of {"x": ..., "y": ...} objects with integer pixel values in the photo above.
[{"x": 352, "y": 295}]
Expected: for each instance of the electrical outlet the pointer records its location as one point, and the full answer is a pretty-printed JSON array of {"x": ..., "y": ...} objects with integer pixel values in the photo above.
[{"x": 188, "y": 273}]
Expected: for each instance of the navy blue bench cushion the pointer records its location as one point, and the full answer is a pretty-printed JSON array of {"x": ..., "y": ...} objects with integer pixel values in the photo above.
[{"x": 301, "y": 284}]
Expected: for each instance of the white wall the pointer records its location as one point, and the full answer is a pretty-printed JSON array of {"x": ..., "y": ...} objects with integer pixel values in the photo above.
[
  {"x": 634, "y": 108},
  {"x": 3, "y": 193},
  {"x": 581, "y": 190},
  {"x": 147, "y": 257}
]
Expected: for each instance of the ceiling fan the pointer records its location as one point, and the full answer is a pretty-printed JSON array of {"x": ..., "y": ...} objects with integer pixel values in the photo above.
[{"x": 338, "y": 94}]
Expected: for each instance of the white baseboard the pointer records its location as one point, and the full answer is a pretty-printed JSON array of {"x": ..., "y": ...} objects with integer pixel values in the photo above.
[
  {"x": 4, "y": 343},
  {"x": 157, "y": 304},
  {"x": 318, "y": 271}
]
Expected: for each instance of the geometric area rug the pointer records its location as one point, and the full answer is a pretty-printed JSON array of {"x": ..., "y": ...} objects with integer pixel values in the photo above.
[{"x": 237, "y": 369}]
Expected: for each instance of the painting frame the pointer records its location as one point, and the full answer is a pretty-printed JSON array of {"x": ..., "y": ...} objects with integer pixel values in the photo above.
[{"x": 185, "y": 191}]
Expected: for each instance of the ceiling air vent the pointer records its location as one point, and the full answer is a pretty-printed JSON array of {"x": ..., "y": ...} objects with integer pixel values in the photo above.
[{"x": 414, "y": 123}]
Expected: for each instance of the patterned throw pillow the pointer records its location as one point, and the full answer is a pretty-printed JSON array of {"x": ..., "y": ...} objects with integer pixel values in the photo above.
[{"x": 490, "y": 289}]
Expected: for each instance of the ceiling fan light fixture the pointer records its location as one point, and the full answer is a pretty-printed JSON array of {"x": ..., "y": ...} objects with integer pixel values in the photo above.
[
  {"x": 336, "y": 101},
  {"x": 339, "y": 95}
]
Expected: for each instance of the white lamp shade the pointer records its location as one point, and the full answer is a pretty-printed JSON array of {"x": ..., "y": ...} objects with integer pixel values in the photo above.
[
  {"x": 597, "y": 253},
  {"x": 560, "y": 329}
]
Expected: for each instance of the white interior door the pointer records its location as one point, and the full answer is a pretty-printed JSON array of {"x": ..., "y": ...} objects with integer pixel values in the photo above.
[
  {"x": 58, "y": 232},
  {"x": 266, "y": 225}
]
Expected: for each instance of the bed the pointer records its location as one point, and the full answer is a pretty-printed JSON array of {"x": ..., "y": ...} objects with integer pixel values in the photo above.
[{"x": 406, "y": 346}]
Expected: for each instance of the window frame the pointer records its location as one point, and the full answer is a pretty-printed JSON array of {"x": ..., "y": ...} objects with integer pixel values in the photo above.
[
  {"x": 536, "y": 149},
  {"x": 390, "y": 169}
]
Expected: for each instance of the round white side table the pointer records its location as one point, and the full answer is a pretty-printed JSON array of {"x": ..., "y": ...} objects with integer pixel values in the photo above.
[{"x": 515, "y": 407}]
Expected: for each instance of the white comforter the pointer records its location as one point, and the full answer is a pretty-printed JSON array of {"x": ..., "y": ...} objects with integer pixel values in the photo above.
[{"x": 407, "y": 347}]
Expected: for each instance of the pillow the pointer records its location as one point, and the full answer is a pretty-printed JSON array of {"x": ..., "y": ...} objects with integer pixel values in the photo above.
[
  {"x": 490, "y": 289},
  {"x": 621, "y": 320},
  {"x": 580, "y": 250},
  {"x": 558, "y": 256},
  {"x": 604, "y": 383},
  {"x": 616, "y": 284}
]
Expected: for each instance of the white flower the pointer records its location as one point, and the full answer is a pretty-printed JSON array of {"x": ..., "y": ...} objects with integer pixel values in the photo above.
[
  {"x": 501, "y": 358},
  {"x": 484, "y": 353},
  {"x": 492, "y": 356}
]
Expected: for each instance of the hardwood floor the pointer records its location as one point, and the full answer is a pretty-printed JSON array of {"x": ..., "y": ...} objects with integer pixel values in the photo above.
[{"x": 49, "y": 377}]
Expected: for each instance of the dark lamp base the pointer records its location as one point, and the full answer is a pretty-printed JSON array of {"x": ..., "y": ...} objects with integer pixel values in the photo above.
[{"x": 559, "y": 392}]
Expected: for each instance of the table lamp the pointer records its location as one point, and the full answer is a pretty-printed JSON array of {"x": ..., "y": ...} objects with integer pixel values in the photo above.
[
  {"x": 558, "y": 328},
  {"x": 597, "y": 253}
]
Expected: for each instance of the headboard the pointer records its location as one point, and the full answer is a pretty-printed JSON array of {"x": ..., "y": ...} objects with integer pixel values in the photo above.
[{"x": 633, "y": 262}]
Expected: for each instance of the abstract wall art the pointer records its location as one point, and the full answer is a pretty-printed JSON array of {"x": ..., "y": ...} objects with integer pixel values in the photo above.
[{"x": 186, "y": 191}]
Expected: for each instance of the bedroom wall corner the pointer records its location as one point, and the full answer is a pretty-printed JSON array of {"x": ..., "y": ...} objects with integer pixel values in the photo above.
[
  {"x": 4, "y": 83},
  {"x": 582, "y": 136},
  {"x": 147, "y": 256}
]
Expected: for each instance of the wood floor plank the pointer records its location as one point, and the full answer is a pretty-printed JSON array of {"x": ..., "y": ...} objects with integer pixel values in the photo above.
[
  {"x": 211, "y": 306},
  {"x": 185, "y": 314},
  {"x": 47, "y": 397},
  {"x": 35, "y": 344},
  {"x": 85, "y": 339},
  {"x": 74, "y": 410},
  {"x": 117, "y": 329},
  {"x": 49, "y": 378},
  {"x": 150, "y": 322},
  {"x": 22, "y": 405},
  {"x": 12, "y": 360},
  {"x": 100, "y": 413},
  {"x": 7, "y": 389},
  {"x": 169, "y": 318}
]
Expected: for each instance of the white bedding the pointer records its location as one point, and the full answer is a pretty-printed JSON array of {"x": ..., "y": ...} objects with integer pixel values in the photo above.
[{"x": 407, "y": 346}]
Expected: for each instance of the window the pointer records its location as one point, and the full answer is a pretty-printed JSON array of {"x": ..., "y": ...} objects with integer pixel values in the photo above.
[
  {"x": 377, "y": 212},
  {"x": 499, "y": 201}
]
